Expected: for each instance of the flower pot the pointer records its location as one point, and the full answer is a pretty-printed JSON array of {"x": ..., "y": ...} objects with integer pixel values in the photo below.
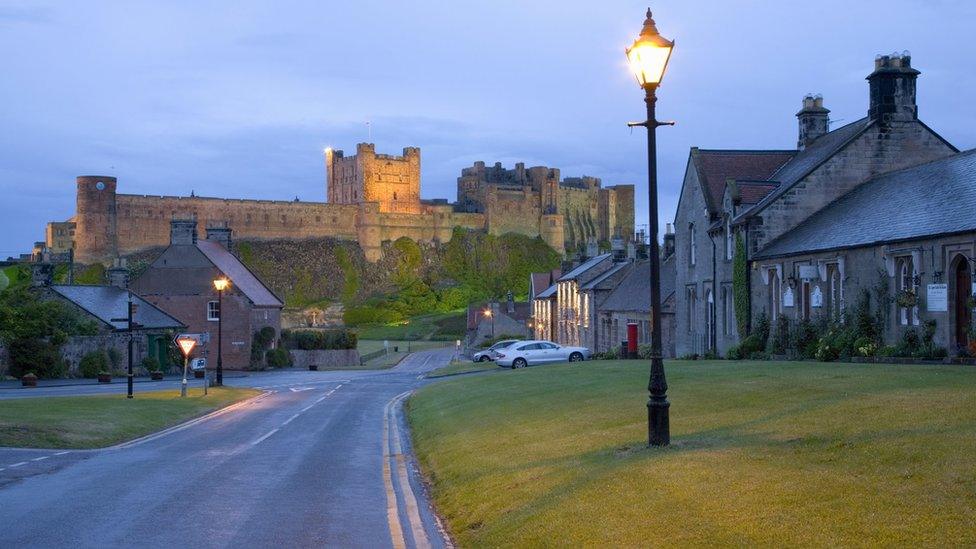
[
  {"x": 156, "y": 376},
  {"x": 105, "y": 378},
  {"x": 313, "y": 367},
  {"x": 29, "y": 381},
  {"x": 199, "y": 374}
]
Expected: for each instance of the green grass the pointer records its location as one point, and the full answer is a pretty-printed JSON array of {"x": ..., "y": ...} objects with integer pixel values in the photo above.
[
  {"x": 98, "y": 421},
  {"x": 440, "y": 326},
  {"x": 463, "y": 367},
  {"x": 773, "y": 454},
  {"x": 393, "y": 358}
]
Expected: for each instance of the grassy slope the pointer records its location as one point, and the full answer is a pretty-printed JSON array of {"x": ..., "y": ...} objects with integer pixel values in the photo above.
[
  {"x": 763, "y": 453},
  {"x": 463, "y": 367},
  {"x": 442, "y": 326},
  {"x": 97, "y": 421}
]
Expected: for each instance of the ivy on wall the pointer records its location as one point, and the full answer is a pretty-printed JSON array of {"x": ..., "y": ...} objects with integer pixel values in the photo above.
[{"x": 740, "y": 286}]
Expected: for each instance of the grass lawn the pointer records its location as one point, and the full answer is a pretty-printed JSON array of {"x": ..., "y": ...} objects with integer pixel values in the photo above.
[
  {"x": 97, "y": 421},
  {"x": 463, "y": 367},
  {"x": 762, "y": 453},
  {"x": 442, "y": 326}
]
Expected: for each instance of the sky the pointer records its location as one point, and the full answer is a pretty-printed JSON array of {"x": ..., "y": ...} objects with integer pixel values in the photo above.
[{"x": 238, "y": 99}]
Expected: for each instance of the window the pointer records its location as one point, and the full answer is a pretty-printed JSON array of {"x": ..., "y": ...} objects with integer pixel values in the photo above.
[
  {"x": 213, "y": 310},
  {"x": 692, "y": 303},
  {"x": 728, "y": 314},
  {"x": 775, "y": 294},
  {"x": 833, "y": 291},
  {"x": 692, "y": 251},
  {"x": 806, "y": 298},
  {"x": 709, "y": 316},
  {"x": 906, "y": 290},
  {"x": 729, "y": 244}
]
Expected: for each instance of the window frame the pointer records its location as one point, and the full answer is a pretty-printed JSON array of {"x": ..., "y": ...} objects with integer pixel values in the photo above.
[{"x": 213, "y": 306}]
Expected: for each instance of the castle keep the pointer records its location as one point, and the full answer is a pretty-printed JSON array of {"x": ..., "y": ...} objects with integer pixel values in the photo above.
[{"x": 371, "y": 198}]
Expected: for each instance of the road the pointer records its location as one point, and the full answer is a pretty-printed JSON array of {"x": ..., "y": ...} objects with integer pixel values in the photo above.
[{"x": 323, "y": 460}]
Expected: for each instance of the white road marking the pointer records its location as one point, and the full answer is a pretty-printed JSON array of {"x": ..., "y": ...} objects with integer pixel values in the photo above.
[
  {"x": 42, "y": 458},
  {"x": 62, "y": 453},
  {"x": 260, "y": 440},
  {"x": 307, "y": 408},
  {"x": 17, "y": 464},
  {"x": 300, "y": 389},
  {"x": 393, "y": 515},
  {"x": 289, "y": 420}
]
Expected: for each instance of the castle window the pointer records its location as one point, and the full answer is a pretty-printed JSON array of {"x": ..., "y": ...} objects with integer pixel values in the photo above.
[
  {"x": 335, "y": 220},
  {"x": 692, "y": 246},
  {"x": 691, "y": 301},
  {"x": 318, "y": 219},
  {"x": 213, "y": 310},
  {"x": 394, "y": 195}
]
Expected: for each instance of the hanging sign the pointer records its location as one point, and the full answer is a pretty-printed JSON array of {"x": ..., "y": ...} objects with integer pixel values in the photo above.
[
  {"x": 937, "y": 298},
  {"x": 788, "y": 297},
  {"x": 816, "y": 298}
]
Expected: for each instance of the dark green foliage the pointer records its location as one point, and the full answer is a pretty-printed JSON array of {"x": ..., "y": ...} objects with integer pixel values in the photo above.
[
  {"x": 93, "y": 364},
  {"x": 114, "y": 358},
  {"x": 261, "y": 341},
  {"x": 278, "y": 358},
  {"x": 151, "y": 364},
  {"x": 323, "y": 340},
  {"x": 740, "y": 286},
  {"x": 915, "y": 345},
  {"x": 37, "y": 356},
  {"x": 779, "y": 337}
]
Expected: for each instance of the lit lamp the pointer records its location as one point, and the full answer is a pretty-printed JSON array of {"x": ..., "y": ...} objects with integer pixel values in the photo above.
[
  {"x": 186, "y": 345},
  {"x": 492, "y": 317},
  {"x": 220, "y": 284},
  {"x": 648, "y": 57}
]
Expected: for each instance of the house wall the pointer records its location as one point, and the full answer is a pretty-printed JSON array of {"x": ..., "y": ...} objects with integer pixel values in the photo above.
[{"x": 692, "y": 217}]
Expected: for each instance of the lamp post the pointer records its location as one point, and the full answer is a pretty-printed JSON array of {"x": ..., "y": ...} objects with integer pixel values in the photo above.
[
  {"x": 492, "y": 317},
  {"x": 221, "y": 284},
  {"x": 648, "y": 58}
]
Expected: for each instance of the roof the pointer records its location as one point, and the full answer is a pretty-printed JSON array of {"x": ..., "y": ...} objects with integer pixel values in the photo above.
[
  {"x": 583, "y": 267},
  {"x": 716, "y": 166},
  {"x": 596, "y": 282},
  {"x": 110, "y": 302},
  {"x": 634, "y": 291},
  {"x": 811, "y": 157},
  {"x": 752, "y": 192},
  {"x": 547, "y": 293},
  {"x": 541, "y": 281},
  {"x": 930, "y": 199},
  {"x": 240, "y": 276}
]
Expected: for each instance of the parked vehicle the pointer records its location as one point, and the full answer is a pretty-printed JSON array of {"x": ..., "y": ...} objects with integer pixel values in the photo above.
[
  {"x": 489, "y": 354},
  {"x": 530, "y": 353}
]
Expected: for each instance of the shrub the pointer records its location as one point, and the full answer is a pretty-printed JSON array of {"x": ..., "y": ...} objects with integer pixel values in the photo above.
[
  {"x": 93, "y": 363},
  {"x": 35, "y": 355},
  {"x": 644, "y": 351},
  {"x": 150, "y": 364},
  {"x": 323, "y": 340},
  {"x": 779, "y": 338},
  {"x": 278, "y": 358},
  {"x": 114, "y": 357}
]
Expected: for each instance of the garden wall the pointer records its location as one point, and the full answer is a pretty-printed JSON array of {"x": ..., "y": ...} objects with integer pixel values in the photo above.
[
  {"x": 78, "y": 346},
  {"x": 325, "y": 359}
]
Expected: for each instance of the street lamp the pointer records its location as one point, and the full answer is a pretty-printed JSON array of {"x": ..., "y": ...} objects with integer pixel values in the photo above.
[
  {"x": 648, "y": 58},
  {"x": 221, "y": 284},
  {"x": 492, "y": 317}
]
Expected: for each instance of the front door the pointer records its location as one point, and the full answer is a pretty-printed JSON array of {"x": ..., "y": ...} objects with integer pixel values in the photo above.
[{"x": 963, "y": 312}]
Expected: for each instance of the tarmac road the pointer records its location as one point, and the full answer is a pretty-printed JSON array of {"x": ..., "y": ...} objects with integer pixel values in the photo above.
[{"x": 323, "y": 460}]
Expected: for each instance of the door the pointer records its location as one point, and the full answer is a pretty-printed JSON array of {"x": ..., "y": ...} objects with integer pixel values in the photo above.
[
  {"x": 553, "y": 353},
  {"x": 530, "y": 353},
  {"x": 963, "y": 313}
]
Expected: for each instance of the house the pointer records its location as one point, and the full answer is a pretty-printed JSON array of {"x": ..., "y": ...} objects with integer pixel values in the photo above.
[
  {"x": 630, "y": 302},
  {"x": 748, "y": 203},
  {"x": 542, "y": 291},
  {"x": 594, "y": 293},
  {"x": 492, "y": 320},
  {"x": 180, "y": 282}
]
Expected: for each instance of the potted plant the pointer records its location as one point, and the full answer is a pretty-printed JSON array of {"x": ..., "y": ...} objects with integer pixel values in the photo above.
[
  {"x": 152, "y": 366},
  {"x": 104, "y": 377},
  {"x": 906, "y": 299},
  {"x": 29, "y": 380}
]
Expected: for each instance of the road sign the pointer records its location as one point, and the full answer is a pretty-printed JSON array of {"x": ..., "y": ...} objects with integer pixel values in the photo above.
[{"x": 186, "y": 343}]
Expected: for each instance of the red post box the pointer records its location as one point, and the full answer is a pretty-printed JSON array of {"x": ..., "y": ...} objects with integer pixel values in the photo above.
[{"x": 631, "y": 340}]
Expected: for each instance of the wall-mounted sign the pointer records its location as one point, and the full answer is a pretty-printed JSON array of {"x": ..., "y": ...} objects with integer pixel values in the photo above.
[
  {"x": 809, "y": 272},
  {"x": 937, "y": 298},
  {"x": 816, "y": 298},
  {"x": 788, "y": 297}
]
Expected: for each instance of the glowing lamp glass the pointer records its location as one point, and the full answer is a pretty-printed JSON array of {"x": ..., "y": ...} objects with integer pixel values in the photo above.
[
  {"x": 648, "y": 61},
  {"x": 221, "y": 284}
]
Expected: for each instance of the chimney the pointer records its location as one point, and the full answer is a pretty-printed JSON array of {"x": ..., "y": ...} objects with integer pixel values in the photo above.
[
  {"x": 219, "y": 231},
  {"x": 892, "y": 89},
  {"x": 618, "y": 248},
  {"x": 183, "y": 232},
  {"x": 668, "y": 248},
  {"x": 118, "y": 274},
  {"x": 814, "y": 120},
  {"x": 592, "y": 250},
  {"x": 42, "y": 274}
]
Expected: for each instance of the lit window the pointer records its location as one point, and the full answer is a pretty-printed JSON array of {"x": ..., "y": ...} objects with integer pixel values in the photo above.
[{"x": 213, "y": 310}]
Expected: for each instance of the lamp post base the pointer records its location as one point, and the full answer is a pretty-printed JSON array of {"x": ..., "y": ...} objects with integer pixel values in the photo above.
[{"x": 658, "y": 421}]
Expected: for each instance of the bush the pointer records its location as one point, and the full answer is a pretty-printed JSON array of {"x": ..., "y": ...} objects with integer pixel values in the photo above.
[
  {"x": 93, "y": 363},
  {"x": 114, "y": 358},
  {"x": 319, "y": 340},
  {"x": 150, "y": 364},
  {"x": 644, "y": 351},
  {"x": 749, "y": 348},
  {"x": 35, "y": 355},
  {"x": 278, "y": 358}
]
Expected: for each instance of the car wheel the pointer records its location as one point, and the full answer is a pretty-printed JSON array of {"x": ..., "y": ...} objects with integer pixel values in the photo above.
[
  {"x": 519, "y": 363},
  {"x": 484, "y": 358},
  {"x": 576, "y": 357}
]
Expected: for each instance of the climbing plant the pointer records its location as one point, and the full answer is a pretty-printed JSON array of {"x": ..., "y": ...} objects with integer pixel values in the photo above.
[{"x": 740, "y": 286}]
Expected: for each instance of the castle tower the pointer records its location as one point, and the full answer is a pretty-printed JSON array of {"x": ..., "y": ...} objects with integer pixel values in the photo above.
[
  {"x": 390, "y": 180},
  {"x": 96, "y": 237}
]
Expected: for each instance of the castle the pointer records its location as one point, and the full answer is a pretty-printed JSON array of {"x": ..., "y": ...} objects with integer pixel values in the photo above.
[{"x": 371, "y": 198}]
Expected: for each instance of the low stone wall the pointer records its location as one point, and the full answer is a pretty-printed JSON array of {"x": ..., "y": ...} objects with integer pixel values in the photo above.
[
  {"x": 78, "y": 346},
  {"x": 325, "y": 359}
]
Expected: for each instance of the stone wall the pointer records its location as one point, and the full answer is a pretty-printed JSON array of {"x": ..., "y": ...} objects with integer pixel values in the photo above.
[
  {"x": 343, "y": 358},
  {"x": 78, "y": 346}
]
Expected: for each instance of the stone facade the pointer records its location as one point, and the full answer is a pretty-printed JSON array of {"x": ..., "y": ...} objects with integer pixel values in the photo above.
[
  {"x": 371, "y": 198},
  {"x": 340, "y": 358}
]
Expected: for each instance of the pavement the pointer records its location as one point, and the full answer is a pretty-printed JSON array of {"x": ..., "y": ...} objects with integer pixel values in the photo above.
[{"x": 322, "y": 459}]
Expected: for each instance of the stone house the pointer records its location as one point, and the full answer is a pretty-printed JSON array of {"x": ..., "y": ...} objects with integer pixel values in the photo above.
[
  {"x": 572, "y": 306},
  {"x": 630, "y": 302},
  {"x": 594, "y": 293},
  {"x": 180, "y": 282},
  {"x": 759, "y": 196},
  {"x": 510, "y": 319}
]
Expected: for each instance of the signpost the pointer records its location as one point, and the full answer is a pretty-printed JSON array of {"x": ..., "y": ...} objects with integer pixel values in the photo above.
[
  {"x": 186, "y": 343},
  {"x": 129, "y": 326}
]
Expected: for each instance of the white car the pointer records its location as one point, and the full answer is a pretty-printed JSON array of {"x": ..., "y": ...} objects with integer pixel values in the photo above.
[
  {"x": 489, "y": 354},
  {"x": 530, "y": 353}
]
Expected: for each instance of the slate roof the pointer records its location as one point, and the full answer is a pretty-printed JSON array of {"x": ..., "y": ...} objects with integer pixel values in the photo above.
[
  {"x": 108, "y": 302},
  {"x": 752, "y": 192},
  {"x": 634, "y": 291},
  {"x": 585, "y": 266},
  {"x": 240, "y": 276},
  {"x": 599, "y": 279},
  {"x": 541, "y": 281},
  {"x": 930, "y": 199},
  {"x": 547, "y": 293},
  {"x": 716, "y": 166}
]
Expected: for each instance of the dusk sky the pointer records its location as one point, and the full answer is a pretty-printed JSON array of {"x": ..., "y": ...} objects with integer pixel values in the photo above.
[{"x": 238, "y": 99}]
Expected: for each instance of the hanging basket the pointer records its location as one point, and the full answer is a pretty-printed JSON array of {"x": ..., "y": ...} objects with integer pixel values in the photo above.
[{"x": 906, "y": 299}]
